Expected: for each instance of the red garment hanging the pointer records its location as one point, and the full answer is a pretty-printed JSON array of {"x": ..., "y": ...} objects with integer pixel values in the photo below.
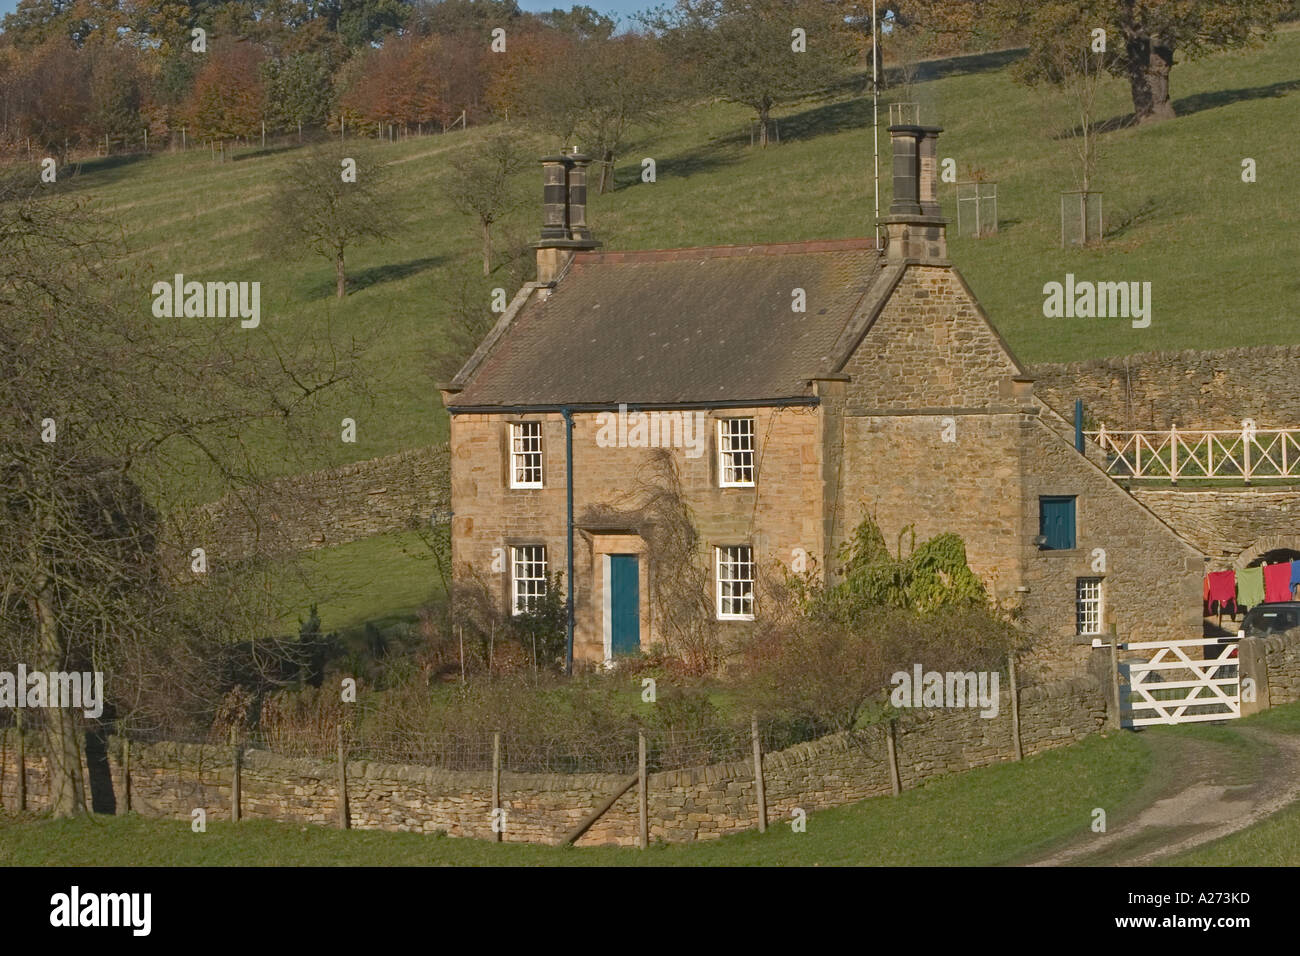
[
  {"x": 1277, "y": 582},
  {"x": 1221, "y": 588}
]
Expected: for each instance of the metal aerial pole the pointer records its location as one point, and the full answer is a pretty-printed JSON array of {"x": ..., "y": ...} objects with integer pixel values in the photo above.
[{"x": 875, "y": 120}]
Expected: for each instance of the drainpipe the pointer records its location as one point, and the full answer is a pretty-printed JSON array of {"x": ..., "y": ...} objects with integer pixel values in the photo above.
[
  {"x": 1078, "y": 425},
  {"x": 567, "y": 413}
]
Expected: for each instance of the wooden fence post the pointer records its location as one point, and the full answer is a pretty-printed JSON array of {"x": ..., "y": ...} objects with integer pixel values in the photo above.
[
  {"x": 344, "y": 821},
  {"x": 1015, "y": 709},
  {"x": 760, "y": 789},
  {"x": 643, "y": 794},
  {"x": 126, "y": 774},
  {"x": 894, "y": 779},
  {"x": 22, "y": 762},
  {"x": 236, "y": 788},
  {"x": 1117, "y": 718},
  {"x": 496, "y": 783}
]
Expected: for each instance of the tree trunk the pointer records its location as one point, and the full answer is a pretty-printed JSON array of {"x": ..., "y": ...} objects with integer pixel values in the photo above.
[
  {"x": 340, "y": 277},
  {"x": 62, "y": 751},
  {"x": 1149, "y": 63},
  {"x": 606, "y": 170},
  {"x": 487, "y": 249},
  {"x": 762, "y": 125}
]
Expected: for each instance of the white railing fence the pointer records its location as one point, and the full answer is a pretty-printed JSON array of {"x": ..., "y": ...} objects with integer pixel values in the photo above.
[{"x": 1239, "y": 455}]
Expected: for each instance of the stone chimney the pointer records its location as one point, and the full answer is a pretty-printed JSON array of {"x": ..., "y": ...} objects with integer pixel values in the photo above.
[
  {"x": 915, "y": 227},
  {"x": 564, "y": 214}
]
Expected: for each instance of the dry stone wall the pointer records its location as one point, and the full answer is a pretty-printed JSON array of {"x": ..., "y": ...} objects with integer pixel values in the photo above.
[
  {"x": 1229, "y": 523},
  {"x": 1190, "y": 389},
  {"x": 1282, "y": 660},
  {"x": 333, "y": 506},
  {"x": 170, "y": 780}
]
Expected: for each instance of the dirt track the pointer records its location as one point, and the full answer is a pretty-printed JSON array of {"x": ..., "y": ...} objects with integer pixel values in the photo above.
[{"x": 1201, "y": 790}]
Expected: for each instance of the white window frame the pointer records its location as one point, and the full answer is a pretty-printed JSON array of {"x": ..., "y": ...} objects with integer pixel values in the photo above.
[
  {"x": 727, "y": 453},
  {"x": 1088, "y": 596},
  {"x": 523, "y": 435},
  {"x": 733, "y": 556},
  {"x": 528, "y": 567}
]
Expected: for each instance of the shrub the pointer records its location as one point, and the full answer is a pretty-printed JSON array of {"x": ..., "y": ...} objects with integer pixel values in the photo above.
[{"x": 823, "y": 655}]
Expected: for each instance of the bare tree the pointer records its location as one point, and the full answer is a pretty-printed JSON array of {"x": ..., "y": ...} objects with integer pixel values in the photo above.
[
  {"x": 481, "y": 184},
  {"x": 108, "y": 417},
  {"x": 907, "y": 44},
  {"x": 625, "y": 82},
  {"x": 331, "y": 199},
  {"x": 1075, "y": 79}
]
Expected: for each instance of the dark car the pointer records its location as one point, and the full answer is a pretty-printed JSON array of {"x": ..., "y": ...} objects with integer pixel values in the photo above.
[{"x": 1265, "y": 620}]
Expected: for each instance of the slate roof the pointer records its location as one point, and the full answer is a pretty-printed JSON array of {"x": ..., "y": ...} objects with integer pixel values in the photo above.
[{"x": 677, "y": 326}]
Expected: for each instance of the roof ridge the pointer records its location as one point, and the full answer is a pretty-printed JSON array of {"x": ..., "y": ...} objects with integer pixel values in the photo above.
[{"x": 726, "y": 251}]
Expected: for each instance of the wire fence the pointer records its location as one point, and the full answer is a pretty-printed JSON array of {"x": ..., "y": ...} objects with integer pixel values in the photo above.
[{"x": 519, "y": 750}]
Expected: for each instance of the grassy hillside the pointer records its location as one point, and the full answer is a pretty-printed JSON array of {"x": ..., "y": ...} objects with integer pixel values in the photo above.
[
  {"x": 1220, "y": 254},
  {"x": 384, "y": 579}
]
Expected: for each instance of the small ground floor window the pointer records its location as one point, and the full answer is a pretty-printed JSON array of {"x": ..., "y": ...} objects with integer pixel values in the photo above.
[{"x": 1087, "y": 606}]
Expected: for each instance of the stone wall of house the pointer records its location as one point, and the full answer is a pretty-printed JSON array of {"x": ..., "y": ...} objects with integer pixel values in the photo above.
[
  {"x": 611, "y": 487},
  {"x": 944, "y": 441},
  {"x": 929, "y": 348},
  {"x": 1231, "y": 525},
  {"x": 1190, "y": 389},
  {"x": 333, "y": 506},
  {"x": 1151, "y": 577},
  {"x": 171, "y": 780}
]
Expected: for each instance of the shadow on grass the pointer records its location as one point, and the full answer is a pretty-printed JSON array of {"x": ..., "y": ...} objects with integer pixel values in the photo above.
[
  {"x": 829, "y": 118},
  {"x": 967, "y": 64},
  {"x": 261, "y": 152},
  {"x": 1128, "y": 218},
  {"x": 1108, "y": 125},
  {"x": 705, "y": 160},
  {"x": 1198, "y": 102},
  {"x": 1217, "y": 98},
  {"x": 104, "y": 170},
  {"x": 377, "y": 275}
]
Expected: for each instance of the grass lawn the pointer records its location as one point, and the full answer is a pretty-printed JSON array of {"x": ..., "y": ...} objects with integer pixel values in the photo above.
[
  {"x": 380, "y": 579},
  {"x": 988, "y": 816},
  {"x": 1219, "y": 253}
]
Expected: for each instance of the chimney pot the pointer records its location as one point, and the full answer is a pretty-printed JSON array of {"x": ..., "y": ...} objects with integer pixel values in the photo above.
[
  {"x": 555, "y": 198},
  {"x": 915, "y": 226},
  {"x": 564, "y": 214},
  {"x": 578, "y": 196}
]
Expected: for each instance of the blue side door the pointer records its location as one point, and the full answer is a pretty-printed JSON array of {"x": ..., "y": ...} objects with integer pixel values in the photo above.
[{"x": 624, "y": 605}]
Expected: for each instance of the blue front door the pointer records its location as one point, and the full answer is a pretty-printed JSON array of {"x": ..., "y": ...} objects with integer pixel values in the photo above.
[{"x": 624, "y": 605}]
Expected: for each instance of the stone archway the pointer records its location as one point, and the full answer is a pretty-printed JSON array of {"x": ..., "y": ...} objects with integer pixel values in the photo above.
[{"x": 1265, "y": 546}]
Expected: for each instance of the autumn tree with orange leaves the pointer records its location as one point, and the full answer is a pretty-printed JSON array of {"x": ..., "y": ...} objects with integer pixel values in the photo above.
[
  {"x": 399, "y": 85},
  {"x": 228, "y": 100}
]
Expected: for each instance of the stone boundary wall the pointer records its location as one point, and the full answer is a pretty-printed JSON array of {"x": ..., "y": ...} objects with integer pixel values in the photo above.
[
  {"x": 171, "y": 779},
  {"x": 333, "y": 506},
  {"x": 1282, "y": 659},
  {"x": 1226, "y": 523},
  {"x": 1192, "y": 389}
]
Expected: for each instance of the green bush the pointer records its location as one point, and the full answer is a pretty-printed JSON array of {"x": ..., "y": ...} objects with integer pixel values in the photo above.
[{"x": 823, "y": 655}]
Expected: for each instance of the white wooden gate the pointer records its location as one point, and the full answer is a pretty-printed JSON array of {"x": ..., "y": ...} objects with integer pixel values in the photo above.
[{"x": 1183, "y": 682}]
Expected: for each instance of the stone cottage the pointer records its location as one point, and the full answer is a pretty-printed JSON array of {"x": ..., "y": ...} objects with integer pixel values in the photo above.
[{"x": 793, "y": 388}]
